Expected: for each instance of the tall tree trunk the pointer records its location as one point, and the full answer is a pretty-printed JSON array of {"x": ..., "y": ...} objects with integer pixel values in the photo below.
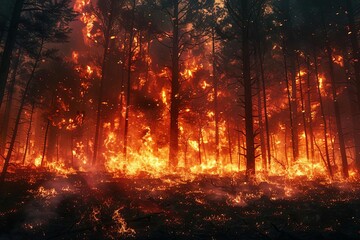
[
  {"x": 101, "y": 87},
  {"x": 216, "y": 108},
  {"x": 18, "y": 116},
  {"x": 309, "y": 110},
  {"x": 249, "y": 121},
  {"x": 261, "y": 122},
  {"x": 294, "y": 109},
  {"x": 45, "y": 142},
  {"x": 229, "y": 141},
  {"x": 57, "y": 147},
  {"x": 291, "y": 115},
  {"x": 200, "y": 145},
  {"x": 290, "y": 53},
  {"x": 239, "y": 150},
  {"x": 286, "y": 147},
  {"x": 51, "y": 143},
  {"x": 303, "y": 112},
  {"x": 344, "y": 162},
  {"x": 9, "y": 103},
  {"x": 203, "y": 143},
  {"x": 128, "y": 87},
  {"x": 356, "y": 60},
  {"x": 72, "y": 149},
  {"x": 28, "y": 134},
  {"x": 323, "y": 117},
  {"x": 267, "y": 130},
  {"x": 355, "y": 111},
  {"x": 9, "y": 46},
  {"x": 121, "y": 101},
  {"x": 185, "y": 154},
  {"x": 353, "y": 32},
  {"x": 175, "y": 90}
]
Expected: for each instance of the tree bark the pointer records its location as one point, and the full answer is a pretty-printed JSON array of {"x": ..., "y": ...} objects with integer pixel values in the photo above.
[
  {"x": 101, "y": 87},
  {"x": 216, "y": 109},
  {"x": 229, "y": 142},
  {"x": 175, "y": 90},
  {"x": 261, "y": 122},
  {"x": 309, "y": 110},
  {"x": 344, "y": 162},
  {"x": 9, "y": 46},
  {"x": 27, "y": 143},
  {"x": 267, "y": 128},
  {"x": 303, "y": 109},
  {"x": 353, "y": 31},
  {"x": 249, "y": 121},
  {"x": 9, "y": 104},
  {"x": 51, "y": 143},
  {"x": 289, "y": 50},
  {"x": 128, "y": 87},
  {"x": 356, "y": 62},
  {"x": 45, "y": 142},
  {"x": 322, "y": 112},
  {"x": 291, "y": 115}
]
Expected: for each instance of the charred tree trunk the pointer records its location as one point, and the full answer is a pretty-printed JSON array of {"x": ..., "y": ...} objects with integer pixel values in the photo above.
[
  {"x": 303, "y": 109},
  {"x": 294, "y": 111},
  {"x": 28, "y": 133},
  {"x": 353, "y": 31},
  {"x": 50, "y": 137},
  {"x": 2, "y": 30},
  {"x": 290, "y": 56},
  {"x": 261, "y": 122},
  {"x": 200, "y": 145},
  {"x": 322, "y": 112},
  {"x": 45, "y": 142},
  {"x": 121, "y": 101},
  {"x": 216, "y": 108},
  {"x": 71, "y": 149},
  {"x": 46, "y": 136},
  {"x": 175, "y": 90},
  {"x": 267, "y": 130},
  {"x": 203, "y": 144},
  {"x": 51, "y": 143},
  {"x": 9, "y": 101},
  {"x": 128, "y": 87},
  {"x": 344, "y": 162},
  {"x": 229, "y": 142},
  {"x": 239, "y": 150},
  {"x": 249, "y": 121},
  {"x": 289, "y": 97},
  {"x": 18, "y": 116},
  {"x": 309, "y": 110},
  {"x": 9, "y": 46},
  {"x": 185, "y": 153},
  {"x": 356, "y": 60},
  {"x": 101, "y": 87},
  {"x": 261, "y": 128}
]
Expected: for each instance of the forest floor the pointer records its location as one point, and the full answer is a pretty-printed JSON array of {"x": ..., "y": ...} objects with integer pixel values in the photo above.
[{"x": 99, "y": 206}]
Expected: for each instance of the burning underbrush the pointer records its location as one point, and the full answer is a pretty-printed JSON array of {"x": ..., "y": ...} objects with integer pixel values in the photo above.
[{"x": 100, "y": 206}]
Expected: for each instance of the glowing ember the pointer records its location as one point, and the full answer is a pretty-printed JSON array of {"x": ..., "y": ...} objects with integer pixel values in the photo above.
[{"x": 121, "y": 225}]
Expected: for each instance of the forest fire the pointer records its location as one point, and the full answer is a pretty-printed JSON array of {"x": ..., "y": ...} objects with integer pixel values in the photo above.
[{"x": 179, "y": 119}]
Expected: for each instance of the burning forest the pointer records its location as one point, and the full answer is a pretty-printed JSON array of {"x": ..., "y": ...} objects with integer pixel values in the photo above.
[{"x": 179, "y": 119}]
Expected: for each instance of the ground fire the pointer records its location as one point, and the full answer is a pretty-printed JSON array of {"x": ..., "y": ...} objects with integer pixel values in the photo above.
[{"x": 179, "y": 119}]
